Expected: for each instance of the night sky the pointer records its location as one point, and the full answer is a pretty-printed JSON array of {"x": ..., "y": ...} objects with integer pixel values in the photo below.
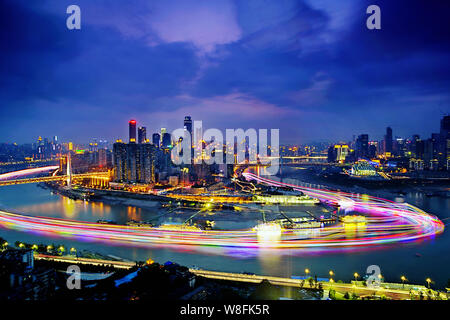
[{"x": 310, "y": 68}]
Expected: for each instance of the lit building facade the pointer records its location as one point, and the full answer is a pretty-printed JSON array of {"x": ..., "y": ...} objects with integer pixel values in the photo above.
[
  {"x": 132, "y": 131},
  {"x": 142, "y": 134},
  {"x": 156, "y": 139},
  {"x": 134, "y": 163}
]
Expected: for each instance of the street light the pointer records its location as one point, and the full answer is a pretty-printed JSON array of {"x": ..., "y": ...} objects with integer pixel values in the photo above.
[
  {"x": 428, "y": 281},
  {"x": 403, "y": 278},
  {"x": 356, "y": 275},
  {"x": 306, "y": 271},
  {"x": 331, "y": 273}
]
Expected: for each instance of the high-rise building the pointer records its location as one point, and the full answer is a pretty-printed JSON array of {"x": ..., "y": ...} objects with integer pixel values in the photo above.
[
  {"x": 413, "y": 145},
  {"x": 166, "y": 140},
  {"x": 142, "y": 134},
  {"x": 444, "y": 142},
  {"x": 156, "y": 139},
  {"x": 133, "y": 158},
  {"x": 132, "y": 131},
  {"x": 188, "y": 128},
  {"x": 102, "y": 158},
  {"x": 134, "y": 163},
  {"x": 331, "y": 154},
  {"x": 147, "y": 162},
  {"x": 388, "y": 141},
  {"x": 362, "y": 146},
  {"x": 435, "y": 144},
  {"x": 401, "y": 148},
  {"x": 338, "y": 153},
  {"x": 120, "y": 154},
  {"x": 188, "y": 125},
  {"x": 373, "y": 147}
]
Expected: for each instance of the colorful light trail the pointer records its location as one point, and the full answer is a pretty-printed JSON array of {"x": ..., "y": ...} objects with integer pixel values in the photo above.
[
  {"x": 387, "y": 222},
  {"x": 27, "y": 172}
]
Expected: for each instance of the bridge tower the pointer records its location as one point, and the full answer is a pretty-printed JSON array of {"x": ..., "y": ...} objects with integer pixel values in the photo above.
[
  {"x": 281, "y": 164},
  {"x": 69, "y": 170}
]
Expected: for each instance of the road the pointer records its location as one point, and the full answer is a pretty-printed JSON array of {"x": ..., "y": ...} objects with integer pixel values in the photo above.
[
  {"x": 54, "y": 178},
  {"x": 396, "y": 294},
  {"x": 78, "y": 260}
]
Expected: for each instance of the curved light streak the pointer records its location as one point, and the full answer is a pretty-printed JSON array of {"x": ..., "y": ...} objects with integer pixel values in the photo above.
[
  {"x": 26, "y": 172},
  {"x": 387, "y": 222}
]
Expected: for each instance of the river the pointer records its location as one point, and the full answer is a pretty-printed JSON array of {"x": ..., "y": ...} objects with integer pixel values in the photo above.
[{"x": 416, "y": 260}]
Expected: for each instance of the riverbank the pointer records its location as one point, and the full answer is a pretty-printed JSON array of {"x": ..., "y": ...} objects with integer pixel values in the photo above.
[
  {"x": 425, "y": 256},
  {"x": 355, "y": 290},
  {"x": 389, "y": 189},
  {"x": 111, "y": 197}
]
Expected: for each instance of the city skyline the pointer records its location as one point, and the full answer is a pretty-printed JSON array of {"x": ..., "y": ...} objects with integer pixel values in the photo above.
[
  {"x": 311, "y": 69},
  {"x": 150, "y": 132},
  {"x": 244, "y": 151}
]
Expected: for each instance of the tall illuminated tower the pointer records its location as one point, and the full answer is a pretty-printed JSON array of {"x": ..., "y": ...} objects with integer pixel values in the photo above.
[
  {"x": 188, "y": 124},
  {"x": 69, "y": 170},
  {"x": 156, "y": 138},
  {"x": 444, "y": 142},
  {"x": 388, "y": 141},
  {"x": 142, "y": 134},
  {"x": 132, "y": 127}
]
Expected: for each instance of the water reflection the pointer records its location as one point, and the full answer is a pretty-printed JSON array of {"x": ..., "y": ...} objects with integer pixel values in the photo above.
[
  {"x": 270, "y": 263},
  {"x": 353, "y": 230},
  {"x": 134, "y": 213},
  {"x": 68, "y": 208},
  {"x": 394, "y": 259}
]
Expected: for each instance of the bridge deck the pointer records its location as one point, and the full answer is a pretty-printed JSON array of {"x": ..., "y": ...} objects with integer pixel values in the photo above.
[{"x": 55, "y": 178}]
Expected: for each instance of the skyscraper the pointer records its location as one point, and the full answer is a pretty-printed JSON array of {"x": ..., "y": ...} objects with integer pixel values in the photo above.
[
  {"x": 362, "y": 146},
  {"x": 444, "y": 142},
  {"x": 188, "y": 125},
  {"x": 120, "y": 161},
  {"x": 188, "y": 128},
  {"x": 166, "y": 140},
  {"x": 156, "y": 139},
  {"x": 338, "y": 153},
  {"x": 147, "y": 162},
  {"x": 142, "y": 134},
  {"x": 388, "y": 140},
  {"x": 132, "y": 127},
  {"x": 134, "y": 162},
  {"x": 102, "y": 158},
  {"x": 373, "y": 146}
]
